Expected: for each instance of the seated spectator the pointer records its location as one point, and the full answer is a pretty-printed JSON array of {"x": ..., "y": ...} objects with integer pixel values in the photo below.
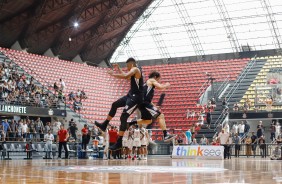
[
  {"x": 192, "y": 114},
  {"x": 194, "y": 142},
  {"x": 71, "y": 96},
  {"x": 213, "y": 103},
  {"x": 236, "y": 106},
  {"x": 77, "y": 105},
  {"x": 187, "y": 113},
  {"x": 83, "y": 95}
]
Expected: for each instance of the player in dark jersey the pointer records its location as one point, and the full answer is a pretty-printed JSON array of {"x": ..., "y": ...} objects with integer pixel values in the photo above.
[
  {"x": 148, "y": 109},
  {"x": 130, "y": 102}
]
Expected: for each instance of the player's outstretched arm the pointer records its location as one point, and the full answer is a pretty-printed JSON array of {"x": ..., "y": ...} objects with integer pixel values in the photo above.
[
  {"x": 160, "y": 86},
  {"x": 123, "y": 75}
]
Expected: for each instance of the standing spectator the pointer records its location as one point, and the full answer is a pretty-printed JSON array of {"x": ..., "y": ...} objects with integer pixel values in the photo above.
[
  {"x": 39, "y": 129},
  {"x": 2, "y": 132},
  {"x": 259, "y": 129},
  {"x": 48, "y": 138},
  {"x": 56, "y": 88},
  {"x": 6, "y": 127},
  {"x": 237, "y": 142},
  {"x": 63, "y": 85},
  {"x": 189, "y": 136},
  {"x": 235, "y": 128},
  {"x": 24, "y": 131},
  {"x": 209, "y": 118},
  {"x": 254, "y": 143},
  {"x": 19, "y": 130},
  {"x": 204, "y": 140},
  {"x": 113, "y": 135},
  {"x": 47, "y": 127},
  {"x": 71, "y": 122},
  {"x": 226, "y": 128},
  {"x": 223, "y": 138},
  {"x": 224, "y": 106},
  {"x": 229, "y": 145},
  {"x": 84, "y": 133},
  {"x": 278, "y": 129},
  {"x": 14, "y": 129},
  {"x": 248, "y": 142},
  {"x": 62, "y": 139},
  {"x": 247, "y": 127},
  {"x": 55, "y": 129},
  {"x": 262, "y": 147},
  {"x": 73, "y": 130},
  {"x": 32, "y": 131},
  {"x": 272, "y": 131},
  {"x": 241, "y": 129}
]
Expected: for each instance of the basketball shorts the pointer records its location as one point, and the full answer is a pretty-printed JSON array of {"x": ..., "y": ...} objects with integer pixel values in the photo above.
[
  {"x": 148, "y": 111},
  {"x": 136, "y": 143}
]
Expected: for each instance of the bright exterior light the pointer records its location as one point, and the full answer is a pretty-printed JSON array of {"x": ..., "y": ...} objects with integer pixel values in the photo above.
[{"x": 75, "y": 24}]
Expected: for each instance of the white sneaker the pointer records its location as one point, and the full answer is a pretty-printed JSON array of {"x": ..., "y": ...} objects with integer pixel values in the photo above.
[{"x": 105, "y": 158}]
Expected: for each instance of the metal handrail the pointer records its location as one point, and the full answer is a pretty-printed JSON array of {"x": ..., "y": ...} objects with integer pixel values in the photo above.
[
  {"x": 241, "y": 77},
  {"x": 238, "y": 81},
  {"x": 223, "y": 85}
]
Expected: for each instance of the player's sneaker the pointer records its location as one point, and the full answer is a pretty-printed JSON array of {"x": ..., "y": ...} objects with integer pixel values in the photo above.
[
  {"x": 102, "y": 126},
  {"x": 168, "y": 138}
]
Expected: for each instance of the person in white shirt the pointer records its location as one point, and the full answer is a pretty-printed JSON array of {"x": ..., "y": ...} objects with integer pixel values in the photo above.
[
  {"x": 204, "y": 140},
  {"x": 48, "y": 138},
  {"x": 226, "y": 128},
  {"x": 106, "y": 144},
  {"x": 235, "y": 129},
  {"x": 144, "y": 143},
  {"x": 24, "y": 131},
  {"x": 55, "y": 128},
  {"x": 277, "y": 130},
  {"x": 136, "y": 143},
  {"x": 63, "y": 85},
  {"x": 223, "y": 138},
  {"x": 124, "y": 150},
  {"x": 241, "y": 129}
]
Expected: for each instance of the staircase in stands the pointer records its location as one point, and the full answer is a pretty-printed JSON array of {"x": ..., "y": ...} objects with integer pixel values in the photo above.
[{"x": 233, "y": 94}]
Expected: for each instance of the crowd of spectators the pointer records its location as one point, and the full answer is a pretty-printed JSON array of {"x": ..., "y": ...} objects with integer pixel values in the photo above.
[{"x": 16, "y": 88}]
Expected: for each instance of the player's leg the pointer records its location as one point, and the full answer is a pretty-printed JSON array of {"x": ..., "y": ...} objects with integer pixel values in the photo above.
[
  {"x": 115, "y": 105},
  {"x": 130, "y": 107}
]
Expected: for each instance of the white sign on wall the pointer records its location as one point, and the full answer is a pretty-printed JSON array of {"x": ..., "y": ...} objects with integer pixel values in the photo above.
[{"x": 206, "y": 152}]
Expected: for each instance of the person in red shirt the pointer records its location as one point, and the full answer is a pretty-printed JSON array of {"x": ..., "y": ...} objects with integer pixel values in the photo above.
[
  {"x": 84, "y": 132},
  {"x": 62, "y": 139},
  {"x": 113, "y": 136}
]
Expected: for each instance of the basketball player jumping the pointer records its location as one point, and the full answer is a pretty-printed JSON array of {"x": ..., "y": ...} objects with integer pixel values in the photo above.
[
  {"x": 130, "y": 102},
  {"x": 148, "y": 109}
]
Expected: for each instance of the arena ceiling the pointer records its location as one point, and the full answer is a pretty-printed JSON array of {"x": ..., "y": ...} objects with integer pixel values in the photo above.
[
  {"x": 42, "y": 24},
  {"x": 181, "y": 28}
]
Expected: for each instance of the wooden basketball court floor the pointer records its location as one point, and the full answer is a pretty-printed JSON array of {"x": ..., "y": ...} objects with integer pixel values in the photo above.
[{"x": 159, "y": 170}]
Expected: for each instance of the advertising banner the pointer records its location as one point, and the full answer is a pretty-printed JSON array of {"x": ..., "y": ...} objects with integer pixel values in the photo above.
[
  {"x": 201, "y": 152},
  {"x": 30, "y": 111}
]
